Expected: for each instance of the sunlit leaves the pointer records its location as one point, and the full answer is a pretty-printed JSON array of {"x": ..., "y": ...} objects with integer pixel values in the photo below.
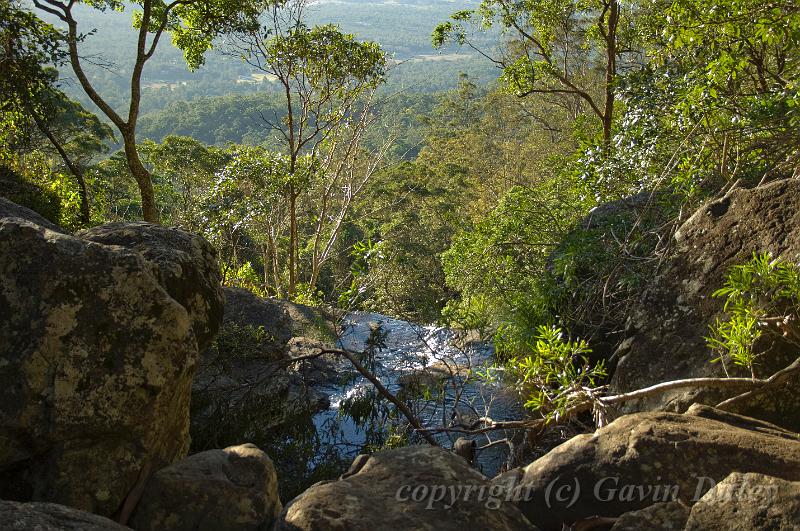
[
  {"x": 755, "y": 293},
  {"x": 556, "y": 372}
]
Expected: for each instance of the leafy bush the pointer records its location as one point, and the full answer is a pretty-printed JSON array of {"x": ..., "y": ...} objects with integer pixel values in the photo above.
[
  {"x": 762, "y": 295},
  {"x": 555, "y": 373},
  {"x": 25, "y": 193}
]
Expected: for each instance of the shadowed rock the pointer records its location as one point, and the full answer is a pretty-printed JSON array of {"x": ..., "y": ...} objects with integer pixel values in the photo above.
[
  {"x": 377, "y": 494},
  {"x": 748, "y": 501},
  {"x": 16, "y": 516},
  {"x": 646, "y": 458},
  {"x": 668, "y": 326},
  {"x": 234, "y": 489}
]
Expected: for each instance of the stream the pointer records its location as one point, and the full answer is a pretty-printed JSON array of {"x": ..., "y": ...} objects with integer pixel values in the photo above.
[{"x": 408, "y": 348}]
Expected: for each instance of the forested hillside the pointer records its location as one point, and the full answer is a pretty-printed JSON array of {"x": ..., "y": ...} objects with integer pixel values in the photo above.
[{"x": 600, "y": 194}]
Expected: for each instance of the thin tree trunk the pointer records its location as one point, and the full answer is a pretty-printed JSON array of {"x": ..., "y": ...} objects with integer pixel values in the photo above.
[
  {"x": 611, "y": 71},
  {"x": 73, "y": 168},
  {"x": 142, "y": 176},
  {"x": 292, "y": 240}
]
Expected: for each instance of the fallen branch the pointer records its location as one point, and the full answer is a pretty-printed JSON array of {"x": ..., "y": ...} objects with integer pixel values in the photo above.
[
  {"x": 754, "y": 386},
  {"x": 780, "y": 377}
]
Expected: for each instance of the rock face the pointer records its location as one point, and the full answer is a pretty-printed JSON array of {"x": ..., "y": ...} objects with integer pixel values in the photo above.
[
  {"x": 407, "y": 488},
  {"x": 185, "y": 264},
  {"x": 245, "y": 385},
  {"x": 246, "y": 309},
  {"x": 96, "y": 366},
  {"x": 234, "y": 489},
  {"x": 665, "y": 516},
  {"x": 16, "y": 516},
  {"x": 647, "y": 458},
  {"x": 748, "y": 501},
  {"x": 668, "y": 325}
]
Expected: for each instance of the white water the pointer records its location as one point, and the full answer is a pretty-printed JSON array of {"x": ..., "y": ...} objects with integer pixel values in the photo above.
[{"x": 410, "y": 347}]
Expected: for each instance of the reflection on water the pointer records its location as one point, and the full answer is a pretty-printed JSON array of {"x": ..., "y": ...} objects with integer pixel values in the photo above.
[{"x": 406, "y": 348}]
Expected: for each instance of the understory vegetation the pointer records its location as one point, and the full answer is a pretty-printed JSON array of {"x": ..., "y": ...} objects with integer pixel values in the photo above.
[{"x": 533, "y": 208}]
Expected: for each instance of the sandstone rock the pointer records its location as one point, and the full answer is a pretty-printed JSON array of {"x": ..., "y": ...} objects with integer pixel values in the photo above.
[
  {"x": 669, "y": 323},
  {"x": 379, "y": 493},
  {"x": 647, "y": 458},
  {"x": 234, "y": 489},
  {"x": 15, "y": 516},
  {"x": 246, "y": 309},
  {"x": 96, "y": 364},
  {"x": 185, "y": 264},
  {"x": 245, "y": 385},
  {"x": 666, "y": 516},
  {"x": 748, "y": 501}
]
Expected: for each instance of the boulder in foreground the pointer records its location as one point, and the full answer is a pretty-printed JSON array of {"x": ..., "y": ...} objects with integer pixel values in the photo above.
[
  {"x": 647, "y": 458},
  {"x": 235, "y": 489},
  {"x": 15, "y": 516},
  {"x": 415, "y": 487}
]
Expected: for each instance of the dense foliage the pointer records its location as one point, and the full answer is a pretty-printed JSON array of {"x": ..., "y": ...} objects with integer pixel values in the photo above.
[{"x": 541, "y": 201}]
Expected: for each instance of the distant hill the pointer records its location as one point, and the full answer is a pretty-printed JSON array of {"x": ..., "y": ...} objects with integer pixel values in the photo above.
[{"x": 403, "y": 28}]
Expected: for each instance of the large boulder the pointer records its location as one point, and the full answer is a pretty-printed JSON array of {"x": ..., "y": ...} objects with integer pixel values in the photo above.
[
  {"x": 184, "y": 263},
  {"x": 407, "y": 488},
  {"x": 244, "y": 308},
  {"x": 647, "y": 458},
  {"x": 235, "y": 489},
  {"x": 668, "y": 326},
  {"x": 246, "y": 385},
  {"x": 96, "y": 366},
  {"x": 664, "y": 516},
  {"x": 748, "y": 501},
  {"x": 15, "y": 516}
]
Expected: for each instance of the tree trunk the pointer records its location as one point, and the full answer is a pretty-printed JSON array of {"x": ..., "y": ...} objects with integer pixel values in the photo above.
[
  {"x": 292, "y": 240},
  {"x": 143, "y": 178},
  {"x": 73, "y": 168},
  {"x": 611, "y": 71}
]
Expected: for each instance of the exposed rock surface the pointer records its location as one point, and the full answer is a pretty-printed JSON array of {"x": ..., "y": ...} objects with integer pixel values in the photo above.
[
  {"x": 234, "y": 489},
  {"x": 15, "y": 516},
  {"x": 645, "y": 458},
  {"x": 378, "y": 493},
  {"x": 96, "y": 363},
  {"x": 245, "y": 384},
  {"x": 748, "y": 501},
  {"x": 246, "y": 309},
  {"x": 670, "y": 322},
  {"x": 185, "y": 264},
  {"x": 665, "y": 516}
]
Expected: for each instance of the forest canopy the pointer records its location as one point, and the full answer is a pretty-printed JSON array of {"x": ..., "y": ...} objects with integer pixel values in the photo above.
[{"x": 459, "y": 193}]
